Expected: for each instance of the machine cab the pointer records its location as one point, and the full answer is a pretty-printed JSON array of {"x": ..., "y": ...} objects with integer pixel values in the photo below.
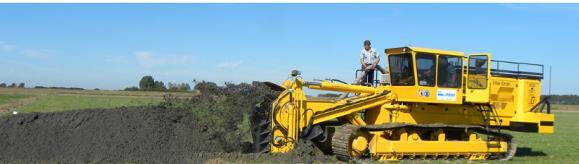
[{"x": 426, "y": 75}]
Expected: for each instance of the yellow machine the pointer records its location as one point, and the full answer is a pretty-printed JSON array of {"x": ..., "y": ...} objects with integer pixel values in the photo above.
[{"x": 436, "y": 104}]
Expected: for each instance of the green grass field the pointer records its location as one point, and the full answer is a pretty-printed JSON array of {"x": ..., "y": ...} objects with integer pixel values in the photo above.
[
  {"x": 55, "y": 103},
  {"x": 561, "y": 147},
  {"x": 8, "y": 98},
  {"x": 54, "y": 100}
]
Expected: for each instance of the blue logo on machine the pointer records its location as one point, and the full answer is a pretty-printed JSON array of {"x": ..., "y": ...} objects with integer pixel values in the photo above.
[
  {"x": 446, "y": 95},
  {"x": 423, "y": 93}
]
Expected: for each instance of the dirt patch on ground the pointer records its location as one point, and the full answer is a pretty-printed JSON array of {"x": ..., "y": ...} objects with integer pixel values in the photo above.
[{"x": 6, "y": 108}]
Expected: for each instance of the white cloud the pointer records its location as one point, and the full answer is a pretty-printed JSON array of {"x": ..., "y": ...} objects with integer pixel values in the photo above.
[
  {"x": 28, "y": 52},
  {"x": 6, "y": 47},
  {"x": 36, "y": 52},
  {"x": 148, "y": 59},
  {"x": 230, "y": 64}
]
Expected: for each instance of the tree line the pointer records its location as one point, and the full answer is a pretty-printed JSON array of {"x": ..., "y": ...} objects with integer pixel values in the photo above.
[
  {"x": 148, "y": 83},
  {"x": 13, "y": 85},
  {"x": 564, "y": 99}
]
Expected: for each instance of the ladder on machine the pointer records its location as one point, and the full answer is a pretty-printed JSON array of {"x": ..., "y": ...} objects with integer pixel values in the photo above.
[{"x": 490, "y": 115}]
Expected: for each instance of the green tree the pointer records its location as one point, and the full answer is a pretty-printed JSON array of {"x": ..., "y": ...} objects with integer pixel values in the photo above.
[
  {"x": 147, "y": 83},
  {"x": 563, "y": 99},
  {"x": 21, "y": 85},
  {"x": 13, "y": 85},
  {"x": 2, "y": 85},
  {"x": 172, "y": 87},
  {"x": 159, "y": 86},
  {"x": 204, "y": 86},
  {"x": 184, "y": 87}
]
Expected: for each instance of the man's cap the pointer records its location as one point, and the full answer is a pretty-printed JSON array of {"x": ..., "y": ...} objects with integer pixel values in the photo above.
[{"x": 367, "y": 42}]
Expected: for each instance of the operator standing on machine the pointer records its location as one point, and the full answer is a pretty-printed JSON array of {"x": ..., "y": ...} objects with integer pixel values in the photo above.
[{"x": 369, "y": 60}]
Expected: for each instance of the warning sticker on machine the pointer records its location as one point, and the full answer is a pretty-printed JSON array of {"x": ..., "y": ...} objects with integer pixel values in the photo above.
[{"x": 446, "y": 95}]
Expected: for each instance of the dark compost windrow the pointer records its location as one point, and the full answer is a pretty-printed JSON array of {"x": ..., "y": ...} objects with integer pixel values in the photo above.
[{"x": 197, "y": 129}]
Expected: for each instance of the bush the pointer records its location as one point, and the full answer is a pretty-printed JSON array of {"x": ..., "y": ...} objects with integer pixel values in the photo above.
[
  {"x": 2, "y": 85},
  {"x": 133, "y": 88},
  {"x": 221, "y": 109},
  {"x": 205, "y": 86},
  {"x": 182, "y": 87}
]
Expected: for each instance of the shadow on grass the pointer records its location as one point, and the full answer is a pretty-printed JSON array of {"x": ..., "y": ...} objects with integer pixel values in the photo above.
[{"x": 527, "y": 151}]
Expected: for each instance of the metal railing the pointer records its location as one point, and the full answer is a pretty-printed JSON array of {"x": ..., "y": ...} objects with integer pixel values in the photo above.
[
  {"x": 518, "y": 73},
  {"x": 374, "y": 82}
]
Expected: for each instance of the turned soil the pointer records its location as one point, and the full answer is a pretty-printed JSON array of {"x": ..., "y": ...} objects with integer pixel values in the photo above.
[{"x": 207, "y": 128}]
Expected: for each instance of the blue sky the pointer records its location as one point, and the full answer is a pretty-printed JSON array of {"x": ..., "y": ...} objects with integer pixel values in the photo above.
[{"x": 111, "y": 46}]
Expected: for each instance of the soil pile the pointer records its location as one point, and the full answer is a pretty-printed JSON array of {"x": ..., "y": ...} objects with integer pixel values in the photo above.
[
  {"x": 106, "y": 135},
  {"x": 208, "y": 127}
]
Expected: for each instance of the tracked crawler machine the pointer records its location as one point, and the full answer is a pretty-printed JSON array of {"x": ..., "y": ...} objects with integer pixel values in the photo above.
[{"x": 433, "y": 104}]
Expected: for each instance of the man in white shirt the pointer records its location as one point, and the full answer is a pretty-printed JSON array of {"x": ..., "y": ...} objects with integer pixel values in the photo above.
[{"x": 369, "y": 59}]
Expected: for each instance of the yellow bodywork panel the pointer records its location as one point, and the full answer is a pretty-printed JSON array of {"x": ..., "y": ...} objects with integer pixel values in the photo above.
[
  {"x": 383, "y": 146},
  {"x": 422, "y": 94},
  {"x": 401, "y": 50}
]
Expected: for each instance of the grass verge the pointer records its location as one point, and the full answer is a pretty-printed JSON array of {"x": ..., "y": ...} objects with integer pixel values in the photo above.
[
  {"x": 8, "y": 98},
  {"x": 56, "y": 103},
  {"x": 560, "y": 147}
]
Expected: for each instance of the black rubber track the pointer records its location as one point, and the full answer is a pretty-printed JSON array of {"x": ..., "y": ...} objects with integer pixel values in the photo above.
[{"x": 341, "y": 142}]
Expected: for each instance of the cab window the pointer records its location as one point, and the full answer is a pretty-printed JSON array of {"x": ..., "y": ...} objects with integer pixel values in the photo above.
[
  {"x": 401, "y": 70},
  {"x": 477, "y": 72},
  {"x": 449, "y": 71},
  {"x": 425, "y": 65}
]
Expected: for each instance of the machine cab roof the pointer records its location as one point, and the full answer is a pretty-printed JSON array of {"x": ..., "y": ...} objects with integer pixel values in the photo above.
[
  {"x": 426, "y": 75},
  {"x": 401, "y": 50}
]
